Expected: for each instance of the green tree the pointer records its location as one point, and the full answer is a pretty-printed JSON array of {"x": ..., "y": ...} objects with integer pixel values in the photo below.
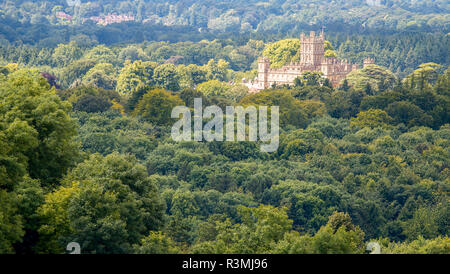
[
  {"x": 107, "y": 206},
  {"x": 283, "y": 52},
  {"x": 338, "y": 236},
  {"x": 408, "y": 114},
  {"x": 372, "y": 118},
  {"x": 377, "y": 77},
  {"x": 443, "y": 83},
  {"x": 11, "y": 228},
  {"x": 290, "y": 108},
  {"x": 439, "y": 245},
  {"x": 190, "y": 76},
  {"x": 132, "y": 53},
  {"x": 101, "y": 75},
  {"x": 330, "y": 53},
  {"x": 166, "y": 77},
  {"x": 423, "y": 223},
  {"x": 39, "y": 125},
  {"x": 30, "y": 196},
  {"x": 101, "y": 54},
  {"x": 213, "y": 88},
  {"x": 156, "y": 243},
  {"x": 217, "y": 70},
  {"x": 71, "y": 75},
  {"x": 345, "y": 86},
  {"x": 66, "y": 54},
  {"x": 423, "y": 77},
  {"x": 311, "y": 78},
  {"x": 55, "y": 222},
  {"x": 135, "y": 74},
  {"x": 261, "y": 228},
  {"x": 156, "y": 106}
]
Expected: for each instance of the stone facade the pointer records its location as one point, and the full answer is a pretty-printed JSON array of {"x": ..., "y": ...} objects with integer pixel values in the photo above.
[{"x": 311, "y": 59}]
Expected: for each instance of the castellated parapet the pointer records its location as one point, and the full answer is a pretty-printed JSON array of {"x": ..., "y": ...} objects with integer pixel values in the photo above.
[
  {"x": 369, "y": 61},
  {"x": 312, "y": 58}
]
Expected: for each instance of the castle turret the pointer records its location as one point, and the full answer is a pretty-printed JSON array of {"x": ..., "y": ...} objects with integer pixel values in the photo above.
[
  {"x": 368, "y": 61},
  {"x": 311, "y": 49},
  {"x": 263, "y": 69}
]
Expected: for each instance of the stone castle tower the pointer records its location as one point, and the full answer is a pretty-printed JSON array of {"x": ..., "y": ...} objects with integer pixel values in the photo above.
[
  {"x": 312, "y": 58},
  {"x": 312, "y": 49},
  {"x": 263, "y": 69},
  {"x": 368, "y": 61}
]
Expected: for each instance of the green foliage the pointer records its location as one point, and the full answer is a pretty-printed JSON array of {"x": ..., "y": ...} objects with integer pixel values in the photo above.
[
  {"x": 65, "y": 54},
  {"x": 236, "y": 150},
  {"x": 110, "y": 204},
  {"x": 344, "y": 104},
  {"x": 191, "y": 75},
  {"x": 259, "y": 231},
  {"x": 110, "y": 132},
  {"x": 30, "y": 196},
  {"x": 283, "y": 52},
  {"x": 71, "y": 75},
  {"x": 408, "y": 114},
  {"x": 166, "y": 77},
  {"x": 309, "y": 205},
  {"x": 156, "y": 106},
  {"x": 423, "y": 77},
  {"x": 290, "y": 108},
  {"x": 309, "y": 78},
  {"x": 11, "y": 228},
  {"x": 339, "y": 236},
  {"x": 213, "y": 88},
  {"x": 422, "y": 224},
  {"x": 372, "y": 118},
  {"x": 89, "y": 98},
  {"x": 101, "y": 75},
  {"x": 101, "y": 54},
  {"x": 216, "y": 70},
  {"x": 371, "y": 79},
  {"x": 221, "y": 89},
  {"x": 366, "y": 161},
  {"x": 330, "y": 53},
  {"x": 134, "y": 75},
  {"x": 55, "y": 219},
  {"x": 156, "y": 243},
  {"x": 37, "y": 122},
  {"x": 439, "y": 245}
]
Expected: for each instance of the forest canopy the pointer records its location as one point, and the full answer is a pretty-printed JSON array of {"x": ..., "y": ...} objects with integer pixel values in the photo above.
[{"x": 86, "y": 153}]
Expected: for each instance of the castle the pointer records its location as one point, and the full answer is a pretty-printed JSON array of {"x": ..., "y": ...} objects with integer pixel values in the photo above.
[{"x": 311, "y": 59}]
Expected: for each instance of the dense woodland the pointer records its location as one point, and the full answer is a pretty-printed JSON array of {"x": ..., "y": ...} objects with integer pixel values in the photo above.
[
  {"x": 37, "y": 22},
  {"x": 245, "y": 16},
  {"x": 86, "y": 154}
]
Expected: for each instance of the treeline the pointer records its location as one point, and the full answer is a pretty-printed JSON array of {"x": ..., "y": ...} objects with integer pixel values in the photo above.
[
  {"x": 367, "y": 161},
  {"x": 247, "y": 16},
  {"x": 401, "y": 53},
  {"x": 71, "y": 62},
  {"x": 49, "y": 36}
]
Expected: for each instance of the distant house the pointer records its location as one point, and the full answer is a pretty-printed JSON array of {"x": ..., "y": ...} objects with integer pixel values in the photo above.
[
  {"x": 64, "y": 16},
  {"x": 112, "y": 19}
]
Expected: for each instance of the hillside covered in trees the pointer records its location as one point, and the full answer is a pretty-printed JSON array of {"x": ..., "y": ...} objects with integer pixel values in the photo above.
[
  {"x": 86, "y": 153},
  {"x": 239, "y": 15},
  {"x": 51, "y": 22}
]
